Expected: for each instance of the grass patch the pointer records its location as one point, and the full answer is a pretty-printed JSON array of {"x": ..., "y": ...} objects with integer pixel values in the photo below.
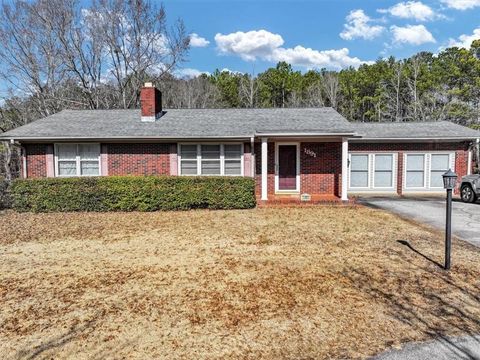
[{"x": 319, "y": 282}]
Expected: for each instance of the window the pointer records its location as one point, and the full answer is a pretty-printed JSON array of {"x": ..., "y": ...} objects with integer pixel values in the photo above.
[
  {"x": 415, "y": 174},
  {"x": 373, "y": 171},
  {"x": 188, "y": 162},
  {"x": 383, "y": 171},
  {"x": 359, "y": 171},
  {"x": 211, "y": 159},
  {"x": 233, "y": 159},
  {"x": 424, "y": 170},
  {"x": 77, "y": 159},
  {"x": 439, "y": 164}
]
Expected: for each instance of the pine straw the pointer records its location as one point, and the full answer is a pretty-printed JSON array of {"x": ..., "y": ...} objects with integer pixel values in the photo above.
[{"x": 320, "y": 282}]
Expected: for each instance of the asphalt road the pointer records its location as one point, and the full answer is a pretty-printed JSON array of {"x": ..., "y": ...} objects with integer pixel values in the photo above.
[
  {"x": 465, "y": 347},
  {"x": 431, "y": 211}
]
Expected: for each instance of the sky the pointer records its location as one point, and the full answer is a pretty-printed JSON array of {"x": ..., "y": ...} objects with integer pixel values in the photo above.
[{"x": 252, "y": 35}]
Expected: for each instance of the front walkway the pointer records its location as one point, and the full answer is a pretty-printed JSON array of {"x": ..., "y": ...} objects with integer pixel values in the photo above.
[{"x": 431, "y": 211}]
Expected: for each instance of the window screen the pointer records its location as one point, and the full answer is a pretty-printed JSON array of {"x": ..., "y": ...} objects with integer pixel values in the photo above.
[
  {"x": 383, "y": 170},
  {"x": 359, "y": 171},
  {"x": 188, "y": 162},
  {"x": 440, "y": 163},
  {"x": 233, "y": 159},
  {"x": 210, "y": 160},
  {"x": 415, "y": 172}
]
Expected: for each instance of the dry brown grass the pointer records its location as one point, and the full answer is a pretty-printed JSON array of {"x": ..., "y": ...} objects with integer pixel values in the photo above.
[{"x": 320, "y": 282}]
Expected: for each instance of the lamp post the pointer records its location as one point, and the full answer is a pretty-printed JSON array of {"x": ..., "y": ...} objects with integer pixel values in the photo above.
[{"x": 449, "y": 182}]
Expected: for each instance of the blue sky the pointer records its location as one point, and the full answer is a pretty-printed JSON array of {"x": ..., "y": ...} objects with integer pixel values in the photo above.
[{"x": 246, "y": 35}]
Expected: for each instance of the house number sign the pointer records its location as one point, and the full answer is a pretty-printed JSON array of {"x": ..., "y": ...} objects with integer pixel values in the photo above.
[{"x": 310, "y": 152}]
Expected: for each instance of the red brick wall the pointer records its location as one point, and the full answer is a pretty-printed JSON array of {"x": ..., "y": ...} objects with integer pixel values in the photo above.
[
  {"x": 36, "y": 159},
  {"x": 321, "y": 168},
  {"x": 139, "y": 159}
]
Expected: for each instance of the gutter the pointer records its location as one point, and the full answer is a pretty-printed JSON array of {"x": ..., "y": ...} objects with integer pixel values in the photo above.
[
  {"x": 171, "y": 138},
  {"x": 410, "y": 139}
]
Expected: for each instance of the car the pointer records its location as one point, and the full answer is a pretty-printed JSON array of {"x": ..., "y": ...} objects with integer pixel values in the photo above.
[{"x": 470, "y": 188}]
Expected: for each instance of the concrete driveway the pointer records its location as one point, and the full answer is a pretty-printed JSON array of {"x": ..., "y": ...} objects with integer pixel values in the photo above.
[{"x": 431, "y": 211}]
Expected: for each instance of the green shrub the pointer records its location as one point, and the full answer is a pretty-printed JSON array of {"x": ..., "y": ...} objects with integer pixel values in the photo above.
[{"x": 132, "y": 193}]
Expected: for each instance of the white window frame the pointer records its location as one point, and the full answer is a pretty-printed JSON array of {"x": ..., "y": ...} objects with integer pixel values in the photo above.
[
  {"x": 426, "y": 168},
  {"x": 369, "y": 180},
  {"x": 277, "y": 166},
  {"x": 77, "y": 160},
  {"x": 199, "y": 158},
  {"x": 394, "y": 173},
  {"x": 371, "y": 172}
]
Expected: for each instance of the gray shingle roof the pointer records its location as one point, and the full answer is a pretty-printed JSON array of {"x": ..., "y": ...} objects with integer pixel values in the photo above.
[
  {"x": 183, "y": 123},
  {"x": 224, "y": 123},
  {"x": 414, "y": 130}
]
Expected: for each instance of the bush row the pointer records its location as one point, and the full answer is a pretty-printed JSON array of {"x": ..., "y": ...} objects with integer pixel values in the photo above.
[{"x": 132, "y": 193}]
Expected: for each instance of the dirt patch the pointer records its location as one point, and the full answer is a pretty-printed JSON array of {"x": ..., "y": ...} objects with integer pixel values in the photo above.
[{"x": 320, "y": 282}]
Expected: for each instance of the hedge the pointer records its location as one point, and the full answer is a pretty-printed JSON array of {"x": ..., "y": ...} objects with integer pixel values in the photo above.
[{"x": 132, "y": 193}]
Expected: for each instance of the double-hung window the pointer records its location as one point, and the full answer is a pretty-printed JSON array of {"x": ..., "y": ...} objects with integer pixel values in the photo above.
[
  {"x": 372, "y": 171},
  {"x": 77, "y": 159},
  {"x": 439, "y": 164},
  {"x": 415, "y": 174},
  {"x": 359, "y": 171},
  {"x": 423, "y": 171},
  {"x": 233, "y": 159},
  {"x": 211, "y": 159},
  {"x": 383, "y": 177}
]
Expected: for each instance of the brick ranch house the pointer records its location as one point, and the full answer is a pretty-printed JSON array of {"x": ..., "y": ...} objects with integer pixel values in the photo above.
[{"x": 290, "y": 152}]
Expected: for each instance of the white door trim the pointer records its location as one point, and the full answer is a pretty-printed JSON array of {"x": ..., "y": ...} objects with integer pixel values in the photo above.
[{"x": 297, "y": 187}]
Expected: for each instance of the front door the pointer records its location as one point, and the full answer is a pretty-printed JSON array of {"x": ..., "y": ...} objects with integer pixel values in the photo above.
[{"x": 287, "y": 167}]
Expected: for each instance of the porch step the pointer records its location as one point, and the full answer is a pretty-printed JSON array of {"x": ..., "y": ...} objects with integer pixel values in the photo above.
[{"x": 294, "y": 200}]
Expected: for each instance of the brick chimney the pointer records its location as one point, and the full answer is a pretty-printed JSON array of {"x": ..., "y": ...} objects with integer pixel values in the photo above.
[{"x": 151, "y": 103}]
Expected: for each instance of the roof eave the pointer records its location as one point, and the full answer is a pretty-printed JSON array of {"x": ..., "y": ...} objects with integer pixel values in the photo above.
[{"x": 416, "y": 139}]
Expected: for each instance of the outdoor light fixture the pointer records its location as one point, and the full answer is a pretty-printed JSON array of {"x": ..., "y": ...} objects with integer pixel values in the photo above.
[{"x": 449, "y": 182}]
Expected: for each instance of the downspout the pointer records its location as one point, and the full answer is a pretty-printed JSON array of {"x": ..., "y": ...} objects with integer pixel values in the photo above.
[
  {"x": 469, "y": 158},
  {"x": 24, "y": 161}
]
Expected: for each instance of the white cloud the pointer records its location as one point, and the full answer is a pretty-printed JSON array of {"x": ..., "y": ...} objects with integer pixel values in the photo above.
[
  {"x": 411, "y": 34},
  {"x": 465, "y": 41},
  {"x": 267, "y": 46},
  {"x": 411, "y": 10},
  {"x": 189, "y": 73},
  {"x": 462, "y": 4},
  {"x": 358, "y": 26},
  {"x": 198, "y": 41},
  {"x": 249, "y": 45}
]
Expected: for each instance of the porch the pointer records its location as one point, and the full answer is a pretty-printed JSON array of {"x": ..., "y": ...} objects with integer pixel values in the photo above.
[{"x": 301, "y": 170}]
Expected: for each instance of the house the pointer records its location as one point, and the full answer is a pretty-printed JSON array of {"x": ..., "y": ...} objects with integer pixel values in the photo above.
[{"x": 290, "y": 152}]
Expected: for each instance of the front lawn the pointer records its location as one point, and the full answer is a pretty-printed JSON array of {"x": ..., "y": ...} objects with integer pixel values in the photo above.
[{"x": 319, "y": 282}]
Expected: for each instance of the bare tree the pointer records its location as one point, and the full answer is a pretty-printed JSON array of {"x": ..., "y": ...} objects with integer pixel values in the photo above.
[
  {"x": 412, "y": 81},
  {"x": 30, "y": 55},
  {"x": 248, "y": 90},
  {"x": 138, "y": 44},
  {"x": 331, "y": 87},
  {"x": 314, "y": 95},
  {"x": 63, "y": 54}
]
